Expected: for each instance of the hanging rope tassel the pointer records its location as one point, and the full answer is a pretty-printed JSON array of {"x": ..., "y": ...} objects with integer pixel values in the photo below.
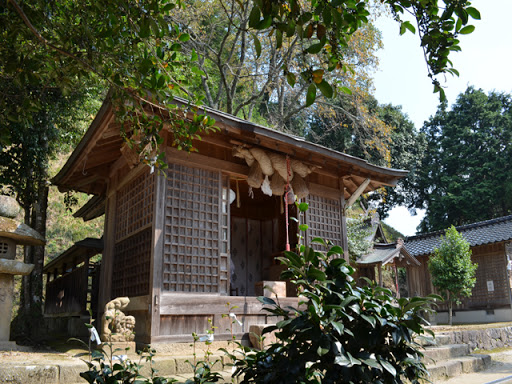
[{"x": 286, "y": 202}]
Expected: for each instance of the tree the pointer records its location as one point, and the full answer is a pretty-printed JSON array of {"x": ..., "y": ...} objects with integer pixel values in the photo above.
[
  {"x": 24, "y": 172},
  {"x": 451, "y": 268},
  {"x": 381, "y": 134},
  {"x": 247, "y": 80},
  {"x": 466, "y": 173},
  {"x": 135, "y": 48}
]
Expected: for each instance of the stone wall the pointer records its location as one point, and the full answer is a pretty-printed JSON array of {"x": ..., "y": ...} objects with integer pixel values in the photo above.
[{"x": 489, "y": 338}]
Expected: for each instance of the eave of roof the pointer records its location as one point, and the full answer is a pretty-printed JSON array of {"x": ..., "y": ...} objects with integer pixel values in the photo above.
[
  {"x": 235, "y": 123},
  {"x": 77, "y": 252},
  {"x": 479, "y": 233}
]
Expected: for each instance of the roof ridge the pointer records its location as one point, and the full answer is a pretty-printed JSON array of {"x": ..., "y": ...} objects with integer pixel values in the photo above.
[{"x": 462, "y": 228}]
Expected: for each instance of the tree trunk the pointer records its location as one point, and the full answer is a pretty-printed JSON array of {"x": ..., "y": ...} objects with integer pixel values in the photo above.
[
  {"x": 450, "y": 309},
  {"x": 30, "y": 317}
]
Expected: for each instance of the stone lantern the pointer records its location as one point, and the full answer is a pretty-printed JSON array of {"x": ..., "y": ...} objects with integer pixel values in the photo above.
[{"x": 11, "y": 234}]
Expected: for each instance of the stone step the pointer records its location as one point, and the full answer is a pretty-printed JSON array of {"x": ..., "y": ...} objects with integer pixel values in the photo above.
[
  {"x": 445, "y": 352},
  {"x": 437, "y": 340},
  {"x": 454, "y": 367}
]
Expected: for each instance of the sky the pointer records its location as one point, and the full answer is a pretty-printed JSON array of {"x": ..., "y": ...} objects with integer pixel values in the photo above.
[{"x": 485, "y": 62}]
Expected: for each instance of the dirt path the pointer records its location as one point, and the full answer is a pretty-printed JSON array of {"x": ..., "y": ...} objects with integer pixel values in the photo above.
[{"x": 500, "y": 368}]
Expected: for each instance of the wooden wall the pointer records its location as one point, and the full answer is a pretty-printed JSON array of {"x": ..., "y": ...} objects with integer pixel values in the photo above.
[{"x": 492, "y": 266}]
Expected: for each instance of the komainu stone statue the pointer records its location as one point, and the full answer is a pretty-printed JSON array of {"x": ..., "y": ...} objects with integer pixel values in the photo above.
[{"x": 116, "y": 325}]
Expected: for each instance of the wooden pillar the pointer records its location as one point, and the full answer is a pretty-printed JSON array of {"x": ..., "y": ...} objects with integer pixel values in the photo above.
[
  {"x": 343, "y": 218},
  {"x": 107, "y": 260},
  {"x": 379, "y": 266},
  {"x": 157, "y": 253}
]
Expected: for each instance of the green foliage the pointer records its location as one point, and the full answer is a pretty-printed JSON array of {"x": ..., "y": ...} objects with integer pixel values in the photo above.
[
  {"x": 136, "y": 49},
  {"x": 340, "y": 333},
  {"x": 451, "y": 268},
  {"x": 380, "y": 134},
  {"x": 391, "y": 233},
  {"x": 105, "y": 368},
  {"x": 466, "y": 173},
  {"x": 359, "y": 231},
  {"x": 63, "y": 230}
]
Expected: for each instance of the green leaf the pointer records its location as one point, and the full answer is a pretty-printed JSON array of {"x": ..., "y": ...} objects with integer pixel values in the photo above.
[
  {"x": 338, "y": 326},
  {"x": 291, "y": 79},
  {"x": 316, "y": 274},
  {"x": 326, "y": 89},
  {"x": 315, "y": 48},
  {"x": 473, "y": 12},
  {"x": 184, "y": 37},
  {"x": 319, "y": 240},
  {"x": 257, "y": 46},
  {"x": 266, "y": 300},
  {"x": 342, "y": 360},
  {"x": 407, "y": 25},
  {"x": 336, "y": 250},
  {"x": 467, "y": 30},
  {"x": 303, "y": 227},
  {"x": 346, "y": 90},
  {"x": 310, "y": 95},
  {"x": 303, "y": 207},
  {"x": 279, "y": 39},
  {"x": 372, "y": 363},
  {"x": 293, "y": 258},
  {"x": 369, "y": 319},
  {"x": 254, "y": 17},
  {"x": 388, "y": 367},
  {"x": 322, "y": 351}
]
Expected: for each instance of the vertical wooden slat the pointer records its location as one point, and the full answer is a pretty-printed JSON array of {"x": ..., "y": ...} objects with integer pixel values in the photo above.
[
  {"x": 343, "y": 229},
  {"x": 157, "y": 253}
]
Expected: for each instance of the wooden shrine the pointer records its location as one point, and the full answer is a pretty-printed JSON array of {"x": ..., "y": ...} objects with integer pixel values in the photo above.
[{"x": 183, "y": 243}]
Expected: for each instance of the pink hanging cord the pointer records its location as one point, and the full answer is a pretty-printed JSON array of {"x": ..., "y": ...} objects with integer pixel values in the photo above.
[{"x": 286, "y": 201}]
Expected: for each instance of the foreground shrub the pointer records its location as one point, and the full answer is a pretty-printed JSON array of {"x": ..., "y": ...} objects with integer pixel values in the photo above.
[{"x": 340, "y": 333}]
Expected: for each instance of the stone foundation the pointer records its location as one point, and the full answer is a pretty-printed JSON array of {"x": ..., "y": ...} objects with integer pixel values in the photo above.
[{"x": 486, "y": 339}]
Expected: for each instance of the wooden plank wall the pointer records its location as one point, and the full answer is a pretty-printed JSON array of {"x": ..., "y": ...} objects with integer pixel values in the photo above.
[
  {"x": 67, "y": 295},
  {"x": 492, "y": 266},
  {"x": 182, "y": 314}
]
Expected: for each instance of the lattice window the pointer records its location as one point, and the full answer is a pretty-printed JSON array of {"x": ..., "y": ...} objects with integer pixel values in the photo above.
[
  {"x": 4, "y": 248},
  {"x": 132, "y": 259},
  {"x": 134, "y": 210},
  {"x": 324, "y": 219},
  {"x": 196, "y": 235}
]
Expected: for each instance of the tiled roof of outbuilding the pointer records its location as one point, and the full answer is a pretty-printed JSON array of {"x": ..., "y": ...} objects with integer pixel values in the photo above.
[{"x": 483, "y": 232}]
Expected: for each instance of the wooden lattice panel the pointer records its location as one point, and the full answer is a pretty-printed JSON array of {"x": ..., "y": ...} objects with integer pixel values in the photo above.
[
  {"x": 134, "y": 209},
  {"x": 324, "y": 219},
  {"x": 196, "y": 231},
  {"x": 132, "y": 259}
]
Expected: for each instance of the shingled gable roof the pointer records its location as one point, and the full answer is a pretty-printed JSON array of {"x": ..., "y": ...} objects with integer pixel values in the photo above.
[
  {"x": 385, "y": 253},
  {"x": 483, "y": 232},
  {"x": 87, "y": 170}
]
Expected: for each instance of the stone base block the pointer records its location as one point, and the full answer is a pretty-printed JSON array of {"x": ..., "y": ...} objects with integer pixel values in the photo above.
[
  {"x": 257, "y": 341},
  {"x": 12, "y": 346},
  {"x": 120, "y": 346},
  {"x": 271, "y": 288}
]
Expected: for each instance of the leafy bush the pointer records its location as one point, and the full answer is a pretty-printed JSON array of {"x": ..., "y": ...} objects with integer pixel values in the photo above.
[
  {"x": 107, "y": 368},
  {"x": 339, "y": 333}
]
